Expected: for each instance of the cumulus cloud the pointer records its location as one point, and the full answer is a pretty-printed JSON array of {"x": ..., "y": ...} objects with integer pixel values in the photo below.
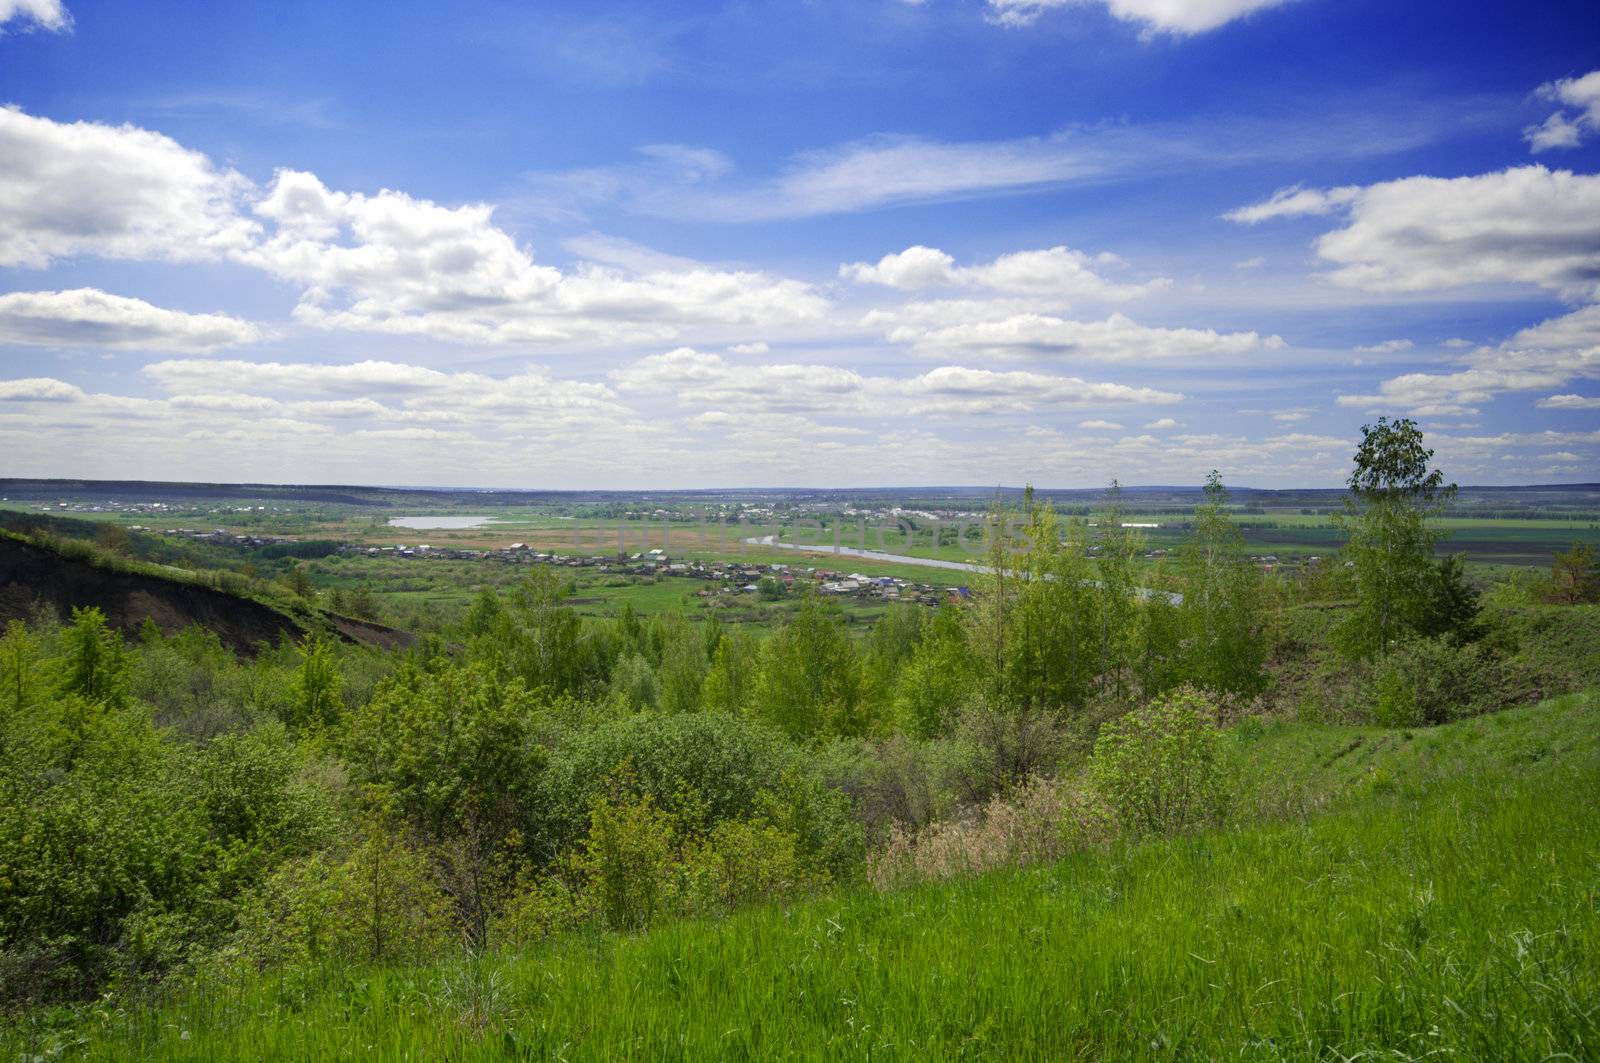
[
  {"x": 417, "y": 393},
  {"x": 39, "y": 389},
  {"x": 1570, "y": 402},
  {"x": 88, "y": 317},
  {"x": 1567, "y": 129},
  {"x": 114, "y": 191},
  {"x": 33, "y": 14},
  {"x": 1096, "y": 424},
  {"x": 384, "y": 263},
  {"x": 1524, "y": 225},
  {"x": 392, "y": 263},
  {"x": 1057, "y": 271},
  {"x": 1547, "y": 355},
  {"x": 701, "y": 379},
  {"x": 1118, "y": 338},
  {"x": 1182, "y": 17},
  {"x": 1162, "y": 423}
]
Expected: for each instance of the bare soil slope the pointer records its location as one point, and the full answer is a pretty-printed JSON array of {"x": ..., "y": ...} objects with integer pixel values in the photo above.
[{"x": 31, "y": 574}]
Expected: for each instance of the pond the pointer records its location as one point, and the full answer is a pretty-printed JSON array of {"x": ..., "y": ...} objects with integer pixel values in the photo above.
[{"x": 438, "y": 523}]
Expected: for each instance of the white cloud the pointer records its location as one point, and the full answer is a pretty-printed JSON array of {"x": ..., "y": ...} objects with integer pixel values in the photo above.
[
  {"x": 1387, "y": 347},
  {"x": 1098, "y": 425},
  {"x": 956, "y": 390},
  {"x": 1547, "y": 355},
  {"x": 91, "y": 318},
  {"x": 708, "y": 380},
  {"x": 1563, "y": 129},
  {"x": 383, "y": 263},
  {"x": 418, "y": 393},
  {"x": 35, "y": 14},
  {"x": 1057, "y": 271},
  {"x": 1167, "y": 16},
  {"x": 757, "y": 347},
  {"x": 1162, "y": 423},
  {"x": 1570, "y": 402},
  {"x": 113, "y": 191},
  {"x": 394, "y": 264},
  {"x": 1118, "y": 338},
  {"x": 1295, "y": 201},
  {"x": 39, "y": 389},
  {"x": 1525, "y": 225}
]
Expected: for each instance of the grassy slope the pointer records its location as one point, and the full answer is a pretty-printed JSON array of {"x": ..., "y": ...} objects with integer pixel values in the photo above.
[{"x": 1445, "y": 899}]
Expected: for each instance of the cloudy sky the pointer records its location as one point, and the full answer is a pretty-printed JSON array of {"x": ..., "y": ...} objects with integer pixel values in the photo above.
[{"x": 798, "y": 242}]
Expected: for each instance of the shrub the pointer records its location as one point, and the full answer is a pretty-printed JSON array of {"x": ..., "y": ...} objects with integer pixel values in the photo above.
[
  {"x": 628, "y": 860},
  {"x": 376, "y": 904},
  {"x": 1425, "y": 681},
  {"x": 1158, "y": 768},
  {"x": 701, "y": 769},
  {"x": 748, "y": 861}
]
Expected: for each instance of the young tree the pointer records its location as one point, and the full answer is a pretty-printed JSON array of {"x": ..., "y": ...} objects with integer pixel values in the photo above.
[
  {"x": 1575, "y": 575},
  {"x": 812, "y": 681},
  {"x": 1452, "y": 610},
  {"x": 314, "y": 691},
  {"x": 96, "y": 663},
  {"x": 1222, "y": 606},
  {"x": 1392, "y": 495}
]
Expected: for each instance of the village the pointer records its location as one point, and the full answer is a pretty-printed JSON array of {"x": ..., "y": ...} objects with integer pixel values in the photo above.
[{"x": 769, "y": 580}]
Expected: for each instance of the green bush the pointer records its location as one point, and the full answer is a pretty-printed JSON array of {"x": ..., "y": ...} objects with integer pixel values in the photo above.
[
  {"x": 702, "y": 768},
  {"x": 1159, "y": 768},
  {"x": 378, "y": 903},
  {"x": 1429, "y": 681}
]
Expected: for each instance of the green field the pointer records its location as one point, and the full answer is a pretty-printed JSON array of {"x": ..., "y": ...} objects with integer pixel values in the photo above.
[{"x": 1407, "y": 895}]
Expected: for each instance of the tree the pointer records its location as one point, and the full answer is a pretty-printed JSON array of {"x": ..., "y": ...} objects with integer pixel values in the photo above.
[
  {"x": 812, "y": 681},
  {"x": 1575, "y": 575},
  {"x": 931, "y": 684},
  {"x": 96, "y": 663},
  {"x": 1452, "y": 611},
  {"x": 1222, "y": 602},
  {"x": 314, "y": 691},
  {"x": 728, "y": 685},
  {"x": 1392, "y": 495}
]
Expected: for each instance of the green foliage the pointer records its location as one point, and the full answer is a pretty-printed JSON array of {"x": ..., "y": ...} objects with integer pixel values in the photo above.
[
  {"x": 700, "y": 769},
  {"x": 377, "y": 903},
  {"x": 1575, "y": 575},
  {"x": 730, "y": 681},
  {"x": 96, "y": 664},
  {"x": 1451, "y": 919},
  {"x": 812, "y": 681},
  {"x": 628, "y": 859},
  {"x": 1222, "y": 615},
  {"x": 314, "y": 694},
  {"x": 935, "y": 680},
  {"x": 1452, "y": 610},
  {"x": 1159, "y": 767},
  {"x": 1392, "y": 495},
  {"x": 1429, "y": 681}
]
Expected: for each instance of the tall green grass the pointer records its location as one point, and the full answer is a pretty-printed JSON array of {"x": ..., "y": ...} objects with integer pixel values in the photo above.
[{"x": 1445, "y": 903}]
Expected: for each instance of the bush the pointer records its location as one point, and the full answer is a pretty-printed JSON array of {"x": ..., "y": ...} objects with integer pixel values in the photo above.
[
  {"x": 376, "y": 904},
  {"x": 701, "y": 769},
  {"x": 1424, "y": 682},
  {"x": 1159, "y": 768}
]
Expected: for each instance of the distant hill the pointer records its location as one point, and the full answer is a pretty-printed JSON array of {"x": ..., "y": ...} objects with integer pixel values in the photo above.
[{"x": 31, "y": 574}]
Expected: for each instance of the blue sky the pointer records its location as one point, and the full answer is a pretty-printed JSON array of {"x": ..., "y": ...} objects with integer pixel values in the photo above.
[{"x": 855, "y": 243}]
